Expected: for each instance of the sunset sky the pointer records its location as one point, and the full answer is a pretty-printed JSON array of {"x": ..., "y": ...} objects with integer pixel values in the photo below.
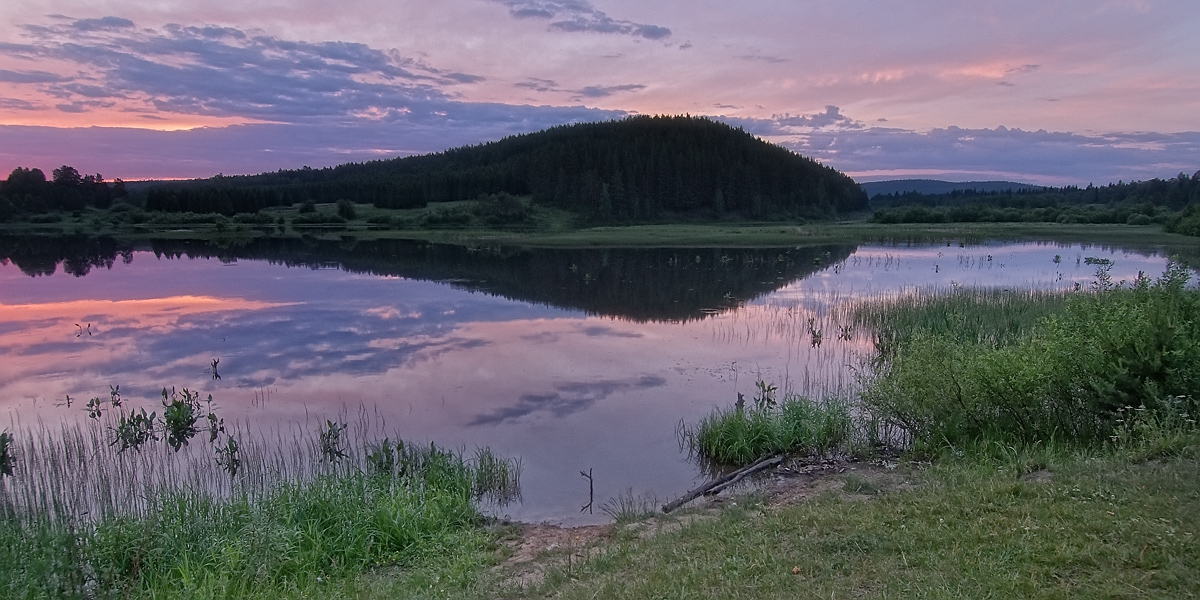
[{"x": 1043, "y": 91}]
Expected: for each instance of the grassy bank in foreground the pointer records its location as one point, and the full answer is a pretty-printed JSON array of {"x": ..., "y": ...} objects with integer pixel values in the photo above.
[{"x": 996, "y": 523}]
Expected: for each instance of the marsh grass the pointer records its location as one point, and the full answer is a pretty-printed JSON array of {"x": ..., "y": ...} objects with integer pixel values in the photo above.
[
  {"x": 992, "y": 317},
  {"x": 741, "y": 435},
  {"x": 82, "y": 518},
  {"x": 627, "y": 507}
]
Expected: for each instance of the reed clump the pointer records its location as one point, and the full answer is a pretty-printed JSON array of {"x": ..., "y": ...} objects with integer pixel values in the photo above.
[
  {"x": 743, "y": 434},
  {"x": 85, "y": 515}
]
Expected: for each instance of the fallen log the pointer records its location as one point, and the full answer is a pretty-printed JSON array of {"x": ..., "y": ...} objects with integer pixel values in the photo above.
[{"x": 721, "y": 483}]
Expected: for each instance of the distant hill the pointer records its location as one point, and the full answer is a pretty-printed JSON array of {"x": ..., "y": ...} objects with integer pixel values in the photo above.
[
  {"x": 637, "y": 169},
  {"x": 934, "y": 186}
]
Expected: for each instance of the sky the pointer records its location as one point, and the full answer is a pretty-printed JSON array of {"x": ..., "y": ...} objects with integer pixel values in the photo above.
[{"x": 1052, "y": 92}]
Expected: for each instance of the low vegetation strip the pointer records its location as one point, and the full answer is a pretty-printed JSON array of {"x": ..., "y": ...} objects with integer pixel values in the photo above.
[{"x": 97, "y": 512}]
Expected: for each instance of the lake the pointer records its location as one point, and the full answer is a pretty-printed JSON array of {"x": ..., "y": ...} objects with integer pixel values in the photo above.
[{"x": 571, "y": 360}]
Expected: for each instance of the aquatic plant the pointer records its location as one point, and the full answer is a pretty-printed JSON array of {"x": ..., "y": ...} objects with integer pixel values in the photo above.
[
  {"x": 795, "y": 425},
  {"x": 330, "y": 441},
  {"x": 6, "y": 457},
  {"x": 181, "y": 411},
  {"x": 133, "y": 430}
]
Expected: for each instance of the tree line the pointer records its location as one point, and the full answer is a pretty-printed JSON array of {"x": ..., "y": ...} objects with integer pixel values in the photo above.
[
  {"x": 636, "y": 169},
  {"x": 1169, "y": 202},
  {"x": 26, "y": 191}
]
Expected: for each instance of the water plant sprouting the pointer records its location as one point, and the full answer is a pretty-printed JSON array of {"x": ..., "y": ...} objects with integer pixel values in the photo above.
[
  {"x": 229, "y": 456},
  {"x": 134, "y": 429},
  {"x": 765, "y": 399},
  {"x": 330, "y": 442},
  {"x": 6, "y": 454},
  {"x": 181, "y": 411},
  {"x": 381, "y": 456}
]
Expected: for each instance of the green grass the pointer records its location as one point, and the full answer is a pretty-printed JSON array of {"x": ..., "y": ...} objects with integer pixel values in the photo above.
[
  {"x": 996, "y": 317},
  {"x": 549, "y": 227},
  {"x": 740, "y": 436},
  {"x": 80, "y": 518},
  {"x": 1102, "y": 526}
]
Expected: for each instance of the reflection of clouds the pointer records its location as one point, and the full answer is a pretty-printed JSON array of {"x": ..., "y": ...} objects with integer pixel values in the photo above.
[
  {"x": 545, "y": 337},
  {"x": 304, "y": 341},
  {"x": 391, "y": 312},
  {"x": 598, "y": 331},
  {"x": 570, "y": 398}
]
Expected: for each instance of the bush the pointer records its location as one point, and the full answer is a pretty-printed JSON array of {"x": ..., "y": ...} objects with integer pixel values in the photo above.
[
  {"x": 501, "y": 209},
  {"x": 254, "y": 218},
  {"x": 46, "y": 218},
  {"x": 1067, "y": 378},
  {"x": 346, "y": 209},
  {"x": 1187, "y": 221},
  {"x": 317, "y": 218},
  {"x": 446, "y": 216}
]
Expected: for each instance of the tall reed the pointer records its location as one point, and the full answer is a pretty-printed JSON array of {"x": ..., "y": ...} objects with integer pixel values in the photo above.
[{"x": 80, "y": 518}]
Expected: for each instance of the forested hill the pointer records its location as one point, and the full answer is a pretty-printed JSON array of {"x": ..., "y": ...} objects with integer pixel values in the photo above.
[{"x": 636, "y": 169}]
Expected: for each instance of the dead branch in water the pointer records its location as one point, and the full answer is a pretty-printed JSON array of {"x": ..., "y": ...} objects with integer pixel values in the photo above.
[{"x": 717, "y": 485}]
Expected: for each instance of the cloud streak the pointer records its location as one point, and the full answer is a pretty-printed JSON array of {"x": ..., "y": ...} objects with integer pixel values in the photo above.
[
  {"x": 579, "y": 16},
  {"x": 567, "y": 399},
  {"x": 228, "y": 72}
]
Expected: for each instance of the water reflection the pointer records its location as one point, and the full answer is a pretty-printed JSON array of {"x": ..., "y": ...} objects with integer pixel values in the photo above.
[
  {"x": 512, "y": 349},
  {"x": 636, "y": 284}
]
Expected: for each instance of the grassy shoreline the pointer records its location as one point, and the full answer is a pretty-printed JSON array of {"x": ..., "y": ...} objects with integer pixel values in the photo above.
[
  {"x": 1018, "y": 523},
  {"x": 554, "y": 229}
]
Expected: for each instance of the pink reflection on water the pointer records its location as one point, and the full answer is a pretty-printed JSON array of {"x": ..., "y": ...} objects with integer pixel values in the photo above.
[
  {"x": 561, "y": 390},
  {"x": 55, "y": 349}
]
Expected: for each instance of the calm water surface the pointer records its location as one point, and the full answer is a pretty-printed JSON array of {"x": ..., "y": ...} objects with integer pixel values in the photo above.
[{"x": 569, "y": 359}]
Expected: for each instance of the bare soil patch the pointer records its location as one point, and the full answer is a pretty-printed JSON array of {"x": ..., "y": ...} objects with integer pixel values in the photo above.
[{"x": 536, "y": 548}]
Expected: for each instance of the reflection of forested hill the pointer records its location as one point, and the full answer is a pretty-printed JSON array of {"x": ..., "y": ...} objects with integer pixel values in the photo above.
[{"x": 639, "y": 284}]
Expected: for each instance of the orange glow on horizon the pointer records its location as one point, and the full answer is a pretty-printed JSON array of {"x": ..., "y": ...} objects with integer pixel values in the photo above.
[{"x": 48, "y": 116}]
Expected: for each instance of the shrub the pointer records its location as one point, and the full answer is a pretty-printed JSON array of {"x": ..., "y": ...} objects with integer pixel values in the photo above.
[
  {"x": 501, "y": 209},
  {"x": 317, "y": 218},
  {"x": 1108, "y": 348},
  {"x": 254, "y": 218},
  {"x": 346, "y": 209}
]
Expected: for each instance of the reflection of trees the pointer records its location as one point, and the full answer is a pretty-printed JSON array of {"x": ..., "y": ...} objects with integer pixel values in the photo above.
[
  {"x": 654, "y": 284},
  {"x": 41, "y": 255}
]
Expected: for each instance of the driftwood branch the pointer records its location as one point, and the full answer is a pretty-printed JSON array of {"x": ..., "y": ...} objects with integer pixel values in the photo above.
[
  {"x": 719, "y": 484},
  {"x": 591, "y": 491}
]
